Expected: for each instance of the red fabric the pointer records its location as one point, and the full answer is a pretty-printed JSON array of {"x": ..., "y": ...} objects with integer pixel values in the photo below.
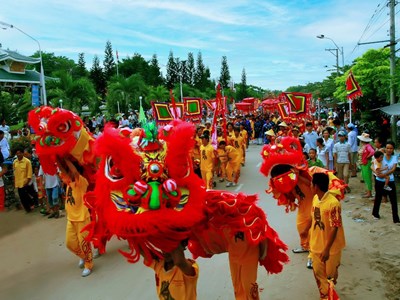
[
  {"x": 232, "y": 213},
  {"x": 352, "y": 87}
]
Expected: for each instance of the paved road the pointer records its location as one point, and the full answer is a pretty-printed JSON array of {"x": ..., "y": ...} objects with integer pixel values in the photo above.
[{"x": 36, "y": 265}]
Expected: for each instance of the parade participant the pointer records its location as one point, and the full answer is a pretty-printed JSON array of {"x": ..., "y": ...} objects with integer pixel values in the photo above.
[
  {"x": 176, "y": 276},
  {"x": 207, "y": 158},
  {"x": 77, "y": 215},
  {"x": 366, "y": 152},
  {"x": 390, "y": 161},
  {"x": 244, "y": 134},
  {"x": 282, "y": 129},
  {"x": 258, "y": 132},
  {"x": 196, "y": 150},
  {"x": 222, "y": 157},
  {"x": 313, "y": 160},
  {"x": 326, "y": 234},
  {"x": 295, "y": 132},
  {"x": 322, "y": 153},
  {"x": 329, "y": 147},
  {"x": 239, "y": 143},
  {"x": 270, "y": 137},
  {"x": 229, "y": 128},
  {"x": 233, "y": 163},
  {"x": 291, "y": 181},
  {"x": 22, "y": 178},
  {"x": 342, "y": 158},
  {"x": 352, "y": 140}
]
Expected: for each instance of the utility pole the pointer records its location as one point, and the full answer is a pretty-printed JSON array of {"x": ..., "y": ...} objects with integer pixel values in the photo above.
[{"x": 392, "y": 44}]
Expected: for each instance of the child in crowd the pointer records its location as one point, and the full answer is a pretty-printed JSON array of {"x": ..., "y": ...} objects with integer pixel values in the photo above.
[
  {"x": 38, "y": 184},
  {"x": 378, "y": 155},
  {"x": 313, "y": 160}
]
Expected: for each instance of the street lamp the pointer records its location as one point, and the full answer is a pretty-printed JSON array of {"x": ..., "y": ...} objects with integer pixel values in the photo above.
[
  {"x": 42, "y": 81},
  {"x": 336, "y": 53}
]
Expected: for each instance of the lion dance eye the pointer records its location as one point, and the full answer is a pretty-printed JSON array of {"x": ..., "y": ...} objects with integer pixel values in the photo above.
[
  {"x": 155, "y": 169},
  {"x": 112, "y": 172},
  {"x": 64, "y": 127}
]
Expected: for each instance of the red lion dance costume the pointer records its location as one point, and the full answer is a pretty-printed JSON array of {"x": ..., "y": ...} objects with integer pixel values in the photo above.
[
  {"x": 291, "y": 180},
  {"x": 147, "y": 193}
]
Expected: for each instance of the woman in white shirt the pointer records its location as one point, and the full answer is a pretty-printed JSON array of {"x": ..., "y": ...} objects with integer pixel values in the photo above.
[
  {"x": 322, "y": 152},
  {"x": 328, "y": 142}
]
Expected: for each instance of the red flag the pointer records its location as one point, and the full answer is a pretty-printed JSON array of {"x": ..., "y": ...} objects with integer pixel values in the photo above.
[
  {"x": 299, "y": 102},
  {"x": 352, "y": 87}
]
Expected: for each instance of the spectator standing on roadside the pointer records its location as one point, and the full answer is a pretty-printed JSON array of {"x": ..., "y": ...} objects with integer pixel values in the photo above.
[
  {"x": 342, "y": 155},
  {"x": 310, "y": 136},
  {"x": 352, "y": 140},
  {"x": 4, "y": 147},
  {"x": 22, "y": 177}
]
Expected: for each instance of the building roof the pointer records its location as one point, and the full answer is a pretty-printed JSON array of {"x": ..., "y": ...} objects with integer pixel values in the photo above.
[
  {"x": 30, "y": 76},
  {"x": 15, "y": 56}
]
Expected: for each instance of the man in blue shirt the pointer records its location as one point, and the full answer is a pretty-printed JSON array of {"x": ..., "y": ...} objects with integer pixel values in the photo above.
[
  {"x": 352, "y": 140},
  {"x": 310, "y": 136}
]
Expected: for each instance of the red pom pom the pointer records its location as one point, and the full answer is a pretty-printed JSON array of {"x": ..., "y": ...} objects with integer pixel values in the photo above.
[
  {"x": 170, "y": 185},
  {"x": 140, "y": 187}
]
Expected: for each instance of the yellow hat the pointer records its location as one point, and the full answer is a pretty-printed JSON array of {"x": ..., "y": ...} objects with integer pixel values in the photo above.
[
  {"x": 283, "y": 124},
  {"x": 270, "y": 132}
]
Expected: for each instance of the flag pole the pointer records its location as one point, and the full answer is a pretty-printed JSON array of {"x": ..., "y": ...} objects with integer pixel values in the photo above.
[
  {"x": 350, "y": 102},
  {"x": 116, "y": 52}
]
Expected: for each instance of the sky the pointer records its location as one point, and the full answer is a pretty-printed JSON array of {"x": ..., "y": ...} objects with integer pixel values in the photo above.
[{"x": 274, "y": 41}]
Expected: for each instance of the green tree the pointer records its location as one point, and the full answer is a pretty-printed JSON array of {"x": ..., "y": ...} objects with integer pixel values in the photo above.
[
  {"x": 97, "y": 76},
  {"x": 80, "y": 69},
  {"x": 74, "y": 93},
  {"x": 154, "y": 79},
  {"x": 53, "y": 63},
  {"x": 191, "y": 69},
  {"x": 135, "y": 65},
  {"x": 202, "y": 73},
  {"x": 242, "y": 88},
  {"x": 225, "y": 76},
  {"x": 172, "y": 76},
  {"x": 125, "y": 93},
  {"x": 158, "y": 94},
  {"x": 108, "y": 63}
]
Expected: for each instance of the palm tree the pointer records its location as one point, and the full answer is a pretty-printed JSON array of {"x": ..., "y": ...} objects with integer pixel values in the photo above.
[{"x": 125, "y": 93}]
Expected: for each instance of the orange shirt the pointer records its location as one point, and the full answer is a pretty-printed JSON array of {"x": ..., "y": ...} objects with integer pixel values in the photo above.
[
  {"x": 238, "y": 143},
  {"x": 207, "y": 157},
  {"x": 174, "y": 284},
  {"x": 326, "y": 215},
  {"x": 76, "y": 209},
  {"x": 233, "y": 154},
  {"x": 222, "y": 155}
]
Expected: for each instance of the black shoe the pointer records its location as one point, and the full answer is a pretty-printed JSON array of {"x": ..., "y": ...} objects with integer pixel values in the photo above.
[{"x": 52, "y": 215}]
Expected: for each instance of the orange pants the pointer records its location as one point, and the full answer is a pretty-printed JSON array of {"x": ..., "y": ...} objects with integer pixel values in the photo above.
[
  {"x": 222, "y": 169},
  {"x": 233, "y": 171},
  {"x": 324, "y": 271},
  {"x": 76, "y": 243},
  {"x": 303, "y": 223},
  {"x": 207, "y": 176},
  {"x": 243, "y": 263}
]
